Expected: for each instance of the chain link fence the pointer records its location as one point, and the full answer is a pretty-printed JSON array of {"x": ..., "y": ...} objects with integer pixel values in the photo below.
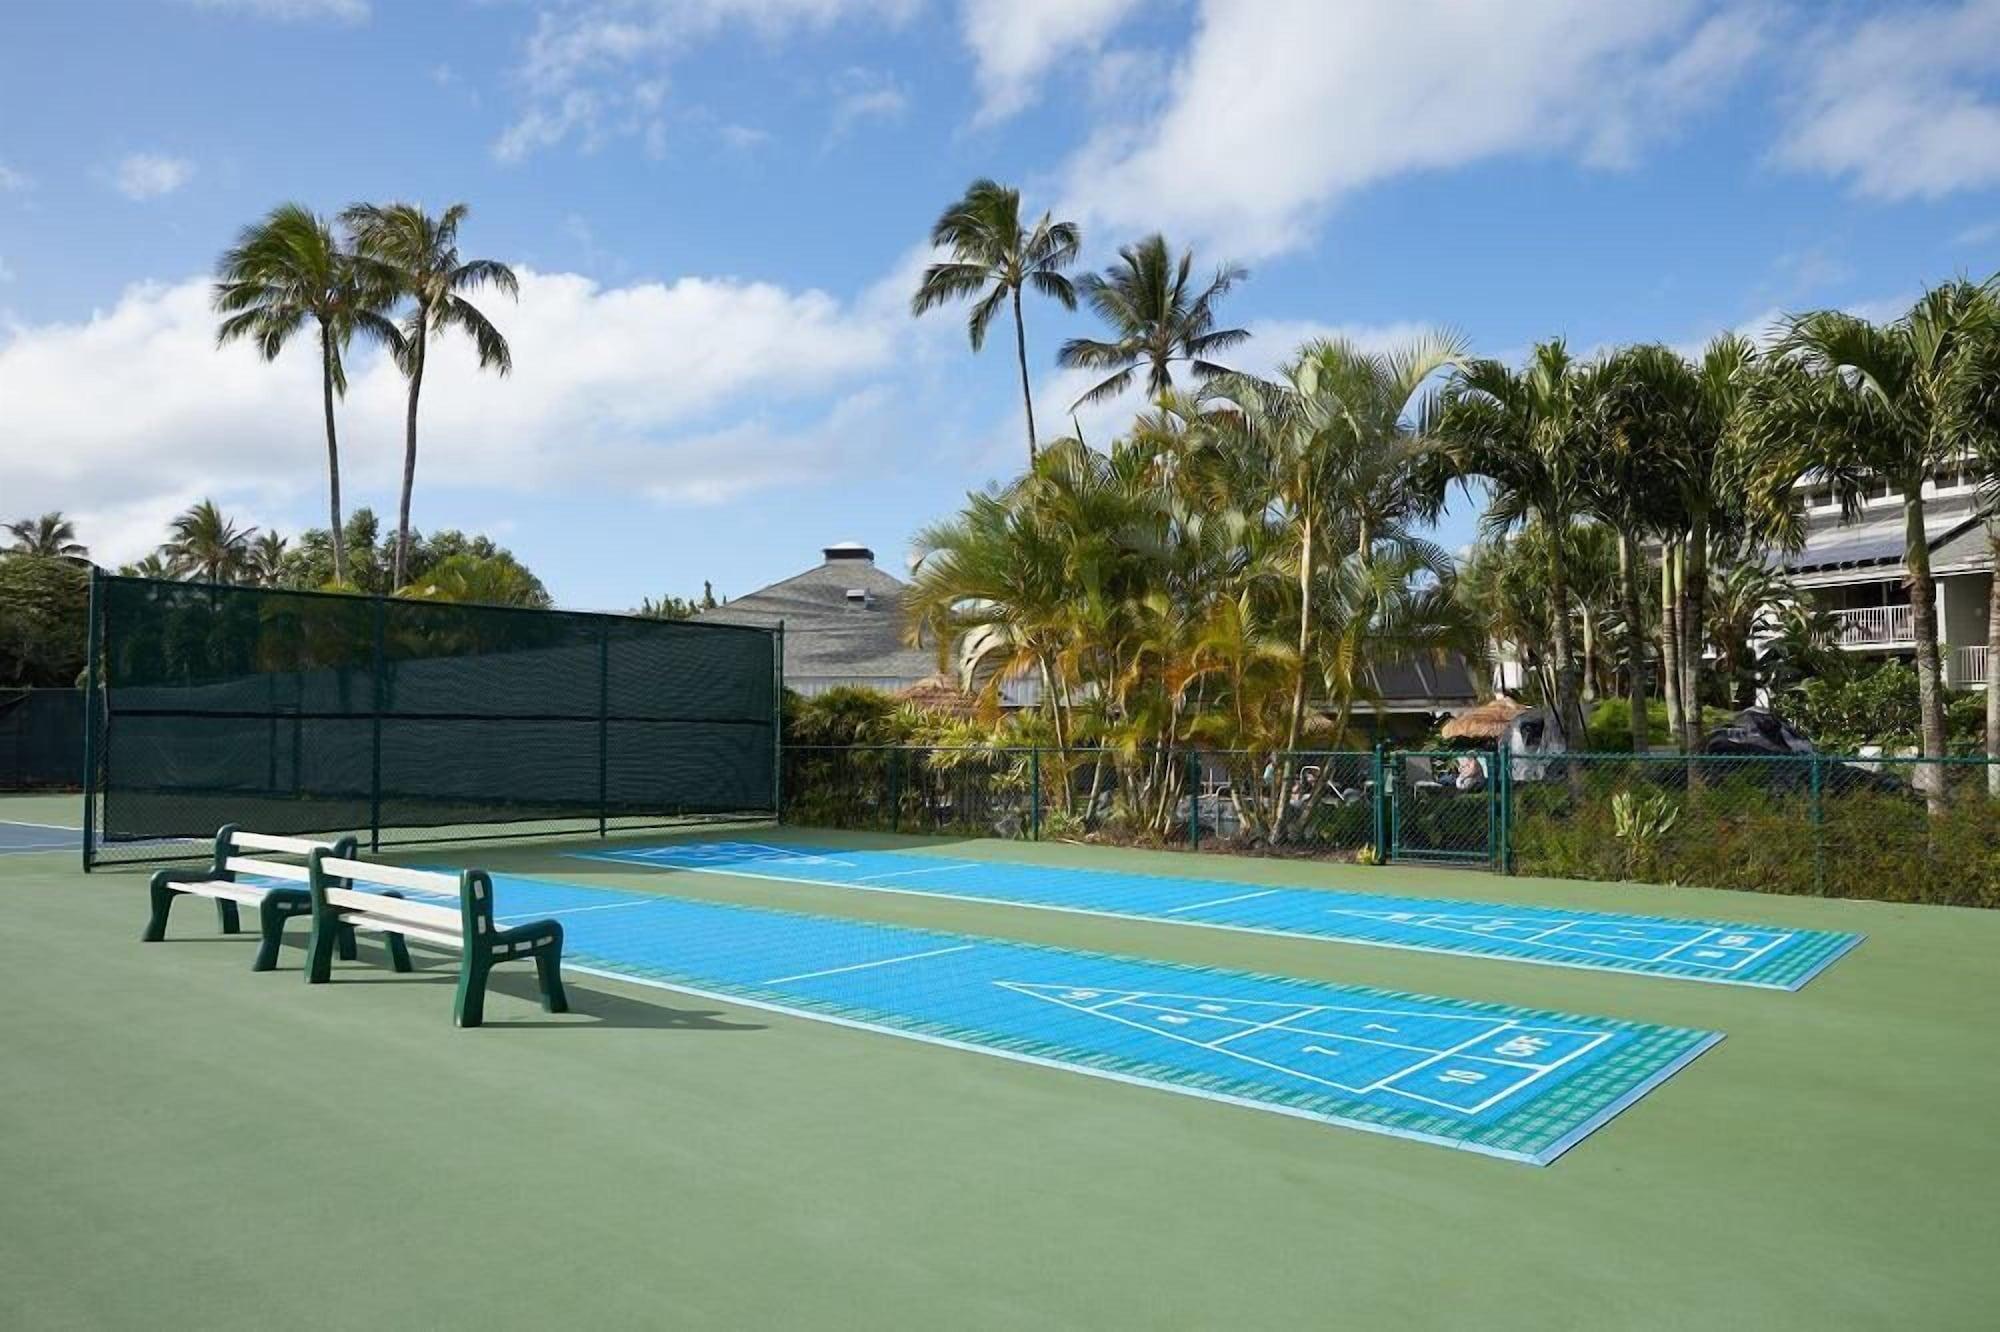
[
  {"x": 41, "y": 739},
  {"x": 1899, "y": 829}
]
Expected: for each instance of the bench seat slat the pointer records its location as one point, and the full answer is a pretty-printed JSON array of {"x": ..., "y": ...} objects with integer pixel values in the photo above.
[
  {"x": 250, "y": 894},
  {"x": 392, "y": 925}
]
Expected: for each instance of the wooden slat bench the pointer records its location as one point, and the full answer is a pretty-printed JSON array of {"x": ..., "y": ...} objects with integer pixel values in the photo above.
[
  {"x": 341, "y": 898},
  {"x": 275, "y": 903}
]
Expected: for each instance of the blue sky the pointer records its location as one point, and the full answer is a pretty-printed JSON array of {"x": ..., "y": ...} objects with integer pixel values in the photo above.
[{"x": 718, "y": 208}]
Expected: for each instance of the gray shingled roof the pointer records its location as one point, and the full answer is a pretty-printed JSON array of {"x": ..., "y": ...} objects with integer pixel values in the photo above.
[
  {"x": 826, "y": 634},
  {"x": 1877, "y": 541}
]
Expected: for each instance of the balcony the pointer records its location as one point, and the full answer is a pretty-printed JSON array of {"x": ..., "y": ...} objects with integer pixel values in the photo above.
[
  {"x": 1967, "y": 667},
  {"x": 1875, "y": 626}
]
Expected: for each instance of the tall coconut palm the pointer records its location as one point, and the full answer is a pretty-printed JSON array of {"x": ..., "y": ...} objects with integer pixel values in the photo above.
[
  {"x": 1157, "y": 318},
  {"x": 49, "y": 535},
  {"x": 283, "y": 272},
  {"x": 205, "y": 546},
  {"x": 994, "y": 254},
  {"x": 1526, "y": 434},
  {"x": 1853, "y": 402},
  {"x": 405, "y": 249}
]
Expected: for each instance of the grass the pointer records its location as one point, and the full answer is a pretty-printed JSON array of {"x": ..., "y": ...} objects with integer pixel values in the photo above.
[{"x": 183, "y": 1141}]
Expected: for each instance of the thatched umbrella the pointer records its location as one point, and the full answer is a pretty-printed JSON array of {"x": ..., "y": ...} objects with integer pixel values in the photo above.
[
  {"x": 1488, "y": 722},
  {"x": 940, "y": 694}
]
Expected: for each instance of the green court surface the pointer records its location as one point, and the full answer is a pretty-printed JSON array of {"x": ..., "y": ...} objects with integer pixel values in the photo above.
[{"x": 184, "y": 1142}]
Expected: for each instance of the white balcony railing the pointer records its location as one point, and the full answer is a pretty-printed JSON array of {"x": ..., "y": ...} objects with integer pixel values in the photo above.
[
  {"x": 1968, "y": 667},
  {"x": 1871, "y": 626}
]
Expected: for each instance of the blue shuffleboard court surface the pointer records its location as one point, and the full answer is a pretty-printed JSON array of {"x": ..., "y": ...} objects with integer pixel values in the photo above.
[
  {"x": 1701, "y": 950},
  {"x": 25, "y": 838},
  {"x": 1505, "y": 1082}
]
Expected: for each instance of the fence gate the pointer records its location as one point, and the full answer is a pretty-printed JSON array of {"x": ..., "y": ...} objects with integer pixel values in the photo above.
[{"x": 1437, "y": 814}]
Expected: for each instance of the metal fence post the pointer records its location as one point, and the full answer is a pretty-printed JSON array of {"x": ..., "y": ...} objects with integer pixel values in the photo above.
[
  {"x": 1194, "y": 800},
  {"x": 375, "y": 744},
  {"x": 895, "y": 788},
  {"x": 1379, "y": 779},
  {"x": 95, "y": 644},
  {"x": 1035, "y": 794},
  {"x": 603, "y": 727},
  {"x": 778, "y": 725}
]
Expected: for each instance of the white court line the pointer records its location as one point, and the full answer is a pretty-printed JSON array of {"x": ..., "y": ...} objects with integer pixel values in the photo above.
[
  {"x": 30, "y": 823},
  {"x": 1633, "y": 967},
  {"x": 37, "y": 846},
  {"x": 573, "y": 911},
  {"x": 930, "y": 869},
  {"x": 863, "y": 966},
  {"x": 1220, "y": 901}
]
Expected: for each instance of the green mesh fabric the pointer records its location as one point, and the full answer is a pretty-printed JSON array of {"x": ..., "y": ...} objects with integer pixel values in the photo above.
[
  {"x": 41, "y": 739},
  {"x": 306, "y": 712}
]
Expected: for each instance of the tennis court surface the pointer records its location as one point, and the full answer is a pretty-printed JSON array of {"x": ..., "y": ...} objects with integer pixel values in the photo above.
[
  {"x": 1519, "y": 1084},
  {"x": 1712, "y": 951},
  {"x": 21, "y": 838}
]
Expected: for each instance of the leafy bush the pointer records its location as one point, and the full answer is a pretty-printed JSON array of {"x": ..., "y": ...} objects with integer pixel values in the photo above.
[{"x": 1609, "y": 727}]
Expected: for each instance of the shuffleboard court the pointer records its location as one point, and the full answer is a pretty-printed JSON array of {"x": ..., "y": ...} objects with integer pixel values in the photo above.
[
  {"x": 1514, "y": 1083},
  {"x": 1716, "y": 951}
]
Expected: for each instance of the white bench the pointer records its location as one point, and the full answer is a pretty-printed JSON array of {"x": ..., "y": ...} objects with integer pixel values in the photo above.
[
  {"x": 351, "y": 894},
  {"x": 275, "y": 903}
]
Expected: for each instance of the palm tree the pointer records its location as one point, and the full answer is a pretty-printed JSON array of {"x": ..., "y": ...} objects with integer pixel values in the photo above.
[
  {"x": 50, "y": 535},
  {"x": 1336, "y": 440},
  {"x": 492, "y": 580},
  {"x": 205, "y": 546},
  {"x": 264, "y": 563},
  {"x": 283, "y": 271},
  {"x": 405, "y": 249},
  {"x": 1852, "y": 402},
  {"x": 1526, "y": 433},
  {"x": 992, "y": 253},
  {"x": 1156, "y": 319}
]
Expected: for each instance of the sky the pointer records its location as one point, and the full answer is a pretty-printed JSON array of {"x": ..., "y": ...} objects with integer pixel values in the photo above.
[{"x": 718, "y": 210}]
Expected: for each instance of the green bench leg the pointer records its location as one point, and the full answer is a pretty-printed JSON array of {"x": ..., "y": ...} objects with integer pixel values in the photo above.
[
  {"x": 470, "y": 1007},
  {"x": 548, "y": 966},
  {"x": 163, "y": 900},
  {"x": 226, "y": 915},
  {"x": 399, "y": 952},
  {"x": 343, "y": 943}
]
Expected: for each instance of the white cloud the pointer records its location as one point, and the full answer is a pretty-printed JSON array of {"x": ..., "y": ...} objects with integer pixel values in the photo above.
[
  {"x": 743, "y": 138},
  {"x": 590, "y": 65},
  {"x": 1281, "y": 107},
  {"x": 289, "y": 11},
  {"x": 695, "y": 391},
  {"x": 1902, "y": 106},
  {"x": 1014, "y": 43},
  {"x": 12, "y": 180},
  {"x": 1978, "y": 234},
  {"x": 863, "y": 94},
  {"x": 6, "y": 274},
  {"x": 141, "y": 176}
]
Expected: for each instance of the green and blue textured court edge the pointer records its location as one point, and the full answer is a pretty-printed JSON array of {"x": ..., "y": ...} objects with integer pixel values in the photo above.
[
  {"x": 1719, "y": 952},
  {"x": 1514, "y": 1083}
]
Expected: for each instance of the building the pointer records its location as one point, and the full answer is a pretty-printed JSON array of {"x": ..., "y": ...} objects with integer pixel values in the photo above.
[
  {"x": 1855, "y": 570},
  {"x": 843, "y": 624}
]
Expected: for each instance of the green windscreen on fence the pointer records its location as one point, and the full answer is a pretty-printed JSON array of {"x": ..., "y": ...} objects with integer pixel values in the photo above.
[
  {"x": 41, "y": 739},
  {"x": 404, "y": 720}
]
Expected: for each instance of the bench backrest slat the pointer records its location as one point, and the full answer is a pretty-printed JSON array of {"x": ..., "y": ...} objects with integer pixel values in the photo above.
[
  {"x": 395, "y": 876},
  {"x": 229, "y": 839},
  {"x": 446, "y": 918},
  {"x": 473, "y": 917},
  {"x": 276, "y": 869}
]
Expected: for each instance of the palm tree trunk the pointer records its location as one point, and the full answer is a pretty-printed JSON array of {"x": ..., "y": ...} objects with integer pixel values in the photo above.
[
  {"x": 1635, "y": 640},
  {"x": 1670, "y": 647},
  {"x": 1923, "y": 627},
  {"x": 332, "y": 456},
  {"x": 1569, "y": 711},
  {"x": 1993, "y": 663},
  {"x": 1694, "y": 624},
  {"x": 402, "y": 563},
  {"x": 1296, "y": 723},
  {"x": 1021, "y": 356}
]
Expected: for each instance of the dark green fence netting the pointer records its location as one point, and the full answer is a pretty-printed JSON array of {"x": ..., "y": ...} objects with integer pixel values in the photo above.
[
  {"x": 41, "y": 739},
  {"x": 409, "y": 721}
]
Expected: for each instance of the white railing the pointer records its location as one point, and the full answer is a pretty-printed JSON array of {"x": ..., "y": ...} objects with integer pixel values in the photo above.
[
  {"x": 1870, "y": 625},
  {"x": 1968, "y": 667}
]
